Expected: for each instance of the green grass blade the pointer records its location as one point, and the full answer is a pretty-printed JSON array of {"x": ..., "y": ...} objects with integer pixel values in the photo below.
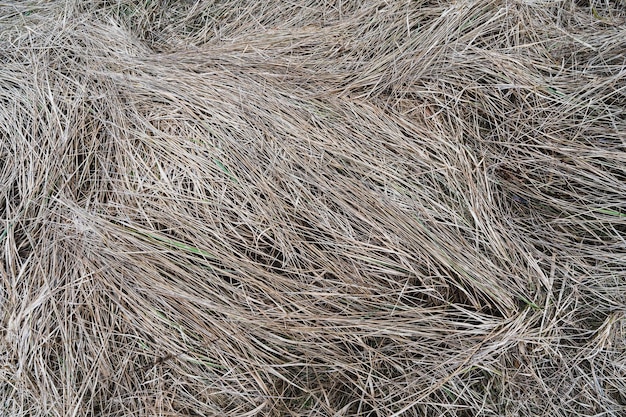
[
  {"x": 225, "y": 170},
  {"x": 611, "y": 212},
  {"x": 181, "y": 245}
]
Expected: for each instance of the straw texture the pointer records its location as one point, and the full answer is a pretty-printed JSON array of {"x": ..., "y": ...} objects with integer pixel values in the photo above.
[{"x": 313, "y": 208}]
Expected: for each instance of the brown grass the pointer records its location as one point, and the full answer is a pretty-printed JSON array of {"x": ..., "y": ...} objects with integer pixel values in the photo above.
[{"x": 313, "y": 208}]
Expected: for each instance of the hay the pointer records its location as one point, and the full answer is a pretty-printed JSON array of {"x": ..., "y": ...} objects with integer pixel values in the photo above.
[{"x": 337, "y": 208}]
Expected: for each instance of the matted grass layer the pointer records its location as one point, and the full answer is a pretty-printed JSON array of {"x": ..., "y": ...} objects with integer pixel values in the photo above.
[{"x": 313, "y": 208}]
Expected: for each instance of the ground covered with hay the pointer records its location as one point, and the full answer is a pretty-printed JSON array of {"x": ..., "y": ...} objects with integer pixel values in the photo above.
[{"x": 313, "y": 208}]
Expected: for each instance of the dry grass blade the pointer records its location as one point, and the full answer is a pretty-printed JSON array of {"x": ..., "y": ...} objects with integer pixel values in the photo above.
[{"x": 338, "y": 208}]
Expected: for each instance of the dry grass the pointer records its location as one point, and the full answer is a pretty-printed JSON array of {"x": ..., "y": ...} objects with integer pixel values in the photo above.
[{"x": 313, "y": 208}]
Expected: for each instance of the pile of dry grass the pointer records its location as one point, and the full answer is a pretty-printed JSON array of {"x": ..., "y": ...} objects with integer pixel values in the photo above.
[{"x": 313, "y": 208}]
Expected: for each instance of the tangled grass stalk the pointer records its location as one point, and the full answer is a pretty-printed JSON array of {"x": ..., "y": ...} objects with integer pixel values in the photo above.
[{"x": 313, "y": 208}]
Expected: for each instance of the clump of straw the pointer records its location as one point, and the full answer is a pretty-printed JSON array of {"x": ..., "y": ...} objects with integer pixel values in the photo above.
[{"x": 338, "y": 208}]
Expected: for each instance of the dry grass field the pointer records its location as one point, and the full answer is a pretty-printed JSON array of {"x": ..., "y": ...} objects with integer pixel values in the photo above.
[{"x": 313, "y": 208}]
